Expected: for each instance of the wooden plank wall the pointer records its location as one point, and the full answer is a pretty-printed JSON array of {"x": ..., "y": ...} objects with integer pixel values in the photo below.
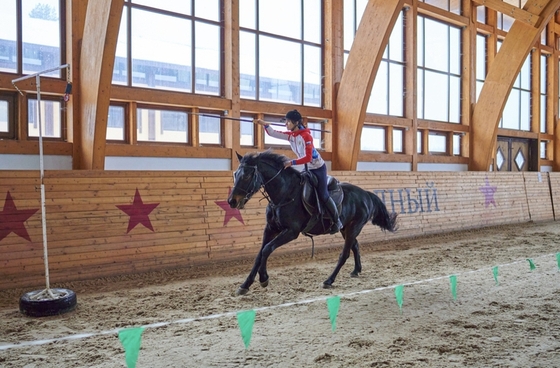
[{"x": 176, "y": 219}]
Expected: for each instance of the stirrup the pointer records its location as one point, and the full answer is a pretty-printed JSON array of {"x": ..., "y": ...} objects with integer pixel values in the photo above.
[{"x": 335, "y": 228}]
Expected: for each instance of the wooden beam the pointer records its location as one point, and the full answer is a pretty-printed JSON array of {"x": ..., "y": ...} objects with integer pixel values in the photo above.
[
  {"x": 101, "y": 29},
  {"x": 232, "y": 128},
  {"x": 75, "y": 20},
  {"x": 357, "y": 79},
  {"x": 168, "y": 98},
  {"x": 334, "y": 60},
  {"x": 443, "y": 15},
  {"x": 510, "y": 10},
  {"x": 410, "y": 107},
  {"x": 499, "y": 81}
]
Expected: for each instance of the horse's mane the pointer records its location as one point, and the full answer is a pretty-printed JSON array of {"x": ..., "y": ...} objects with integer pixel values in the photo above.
[{"x": 274, "y": 159}]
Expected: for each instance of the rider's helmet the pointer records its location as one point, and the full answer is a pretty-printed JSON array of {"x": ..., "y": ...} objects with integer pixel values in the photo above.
[{"x": 295, "y": 116}]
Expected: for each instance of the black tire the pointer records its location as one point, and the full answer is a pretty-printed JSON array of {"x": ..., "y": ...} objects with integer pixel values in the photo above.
[{"x": 64, "y": 302}]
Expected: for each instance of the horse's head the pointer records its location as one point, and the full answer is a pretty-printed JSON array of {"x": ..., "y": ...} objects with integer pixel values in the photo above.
[{"x": 246, "y": 181}]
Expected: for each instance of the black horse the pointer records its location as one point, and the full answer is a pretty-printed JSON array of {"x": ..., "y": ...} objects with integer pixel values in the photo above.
[{"x": 289, "y": 212}]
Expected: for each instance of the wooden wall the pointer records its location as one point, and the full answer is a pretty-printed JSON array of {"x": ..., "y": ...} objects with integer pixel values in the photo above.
[{"x": 103, "y": 223}]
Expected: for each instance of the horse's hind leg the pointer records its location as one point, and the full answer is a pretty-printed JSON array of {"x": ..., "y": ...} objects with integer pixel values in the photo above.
[
  {"x": 348, "y": 244},
  {"x": 357, "y": 260}
]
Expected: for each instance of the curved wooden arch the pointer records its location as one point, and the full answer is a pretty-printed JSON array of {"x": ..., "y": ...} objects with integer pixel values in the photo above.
[
  {"x": 499, "y": 81},
  {"x": 357, "y": 79},
  {"x": 99, "y": 43}
]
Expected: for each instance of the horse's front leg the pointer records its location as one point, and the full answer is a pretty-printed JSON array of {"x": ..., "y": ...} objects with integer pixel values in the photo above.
[
  {"x": 268, "y": 235},
  {"x": 285, "y": 236}
]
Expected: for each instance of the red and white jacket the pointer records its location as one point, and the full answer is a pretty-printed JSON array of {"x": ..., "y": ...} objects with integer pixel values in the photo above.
[{"x": 301, "y": 143}]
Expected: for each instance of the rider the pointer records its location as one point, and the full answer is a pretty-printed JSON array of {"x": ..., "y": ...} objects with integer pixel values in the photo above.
[{"x": 301, "y": 143}]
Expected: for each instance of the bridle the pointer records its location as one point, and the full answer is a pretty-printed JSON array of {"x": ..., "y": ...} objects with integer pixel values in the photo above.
[
  {"x": 258, "y": 182},
  {"x": 254, "y": 185}
]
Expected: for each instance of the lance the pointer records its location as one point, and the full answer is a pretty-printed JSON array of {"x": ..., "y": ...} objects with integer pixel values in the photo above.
[{"x": 247, "y": 120}]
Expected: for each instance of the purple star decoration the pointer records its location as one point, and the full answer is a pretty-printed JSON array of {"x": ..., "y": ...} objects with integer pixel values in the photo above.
[{"x": 488, "y": 192}]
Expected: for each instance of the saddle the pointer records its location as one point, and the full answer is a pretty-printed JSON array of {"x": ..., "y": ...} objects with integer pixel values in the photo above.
[{"x": 312, "y": 203}]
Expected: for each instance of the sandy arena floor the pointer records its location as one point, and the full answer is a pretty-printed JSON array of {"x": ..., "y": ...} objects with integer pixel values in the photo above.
[{"x": 513, "y": 324}]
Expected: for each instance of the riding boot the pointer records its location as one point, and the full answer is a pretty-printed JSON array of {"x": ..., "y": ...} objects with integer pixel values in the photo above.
[{"x": 333, "y": 211}]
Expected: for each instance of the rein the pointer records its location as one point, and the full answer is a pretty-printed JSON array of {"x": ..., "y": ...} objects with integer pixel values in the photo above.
[
  {"x": 263, "y": 187},
  {"x": 258, "y": 183}
]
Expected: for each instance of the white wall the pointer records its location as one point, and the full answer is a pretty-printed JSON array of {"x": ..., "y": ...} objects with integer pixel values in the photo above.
[
  {"x": 54, "y": 162},
  {"x": 383, "y": 166},
  {"x": 31, "y": 162},
  {"x": 166, "y": 163},
  {"x": 443, "y": 167}
]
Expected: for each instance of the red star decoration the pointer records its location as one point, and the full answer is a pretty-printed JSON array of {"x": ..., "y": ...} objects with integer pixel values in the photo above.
[
  {"x": 138, "y": 212},
  {"x": 230, "y": 212},
  {"x": 12, "y": 220}
]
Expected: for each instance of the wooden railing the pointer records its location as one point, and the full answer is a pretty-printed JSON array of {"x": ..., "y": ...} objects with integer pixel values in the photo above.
[{"x": 104, "y": 223}]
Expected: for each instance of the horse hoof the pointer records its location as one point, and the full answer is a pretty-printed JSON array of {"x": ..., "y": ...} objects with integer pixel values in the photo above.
[
  {"x": 326, "y": 286},
  {"x": 264, "y": 284},
  {"x": 242, "y": 291},
  {"x": 354, "y": 274}
]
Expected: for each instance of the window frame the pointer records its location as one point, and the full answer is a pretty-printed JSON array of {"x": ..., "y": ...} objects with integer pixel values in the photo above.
[
  {"x": 422, "y": 69},
  {"x": 301, "y": 42},
  {"x": 11, "y": 99},
  {"x": 19, "y": 39},
  {"x": 222, "y": 128},
  {"x": 126, "y": 133},
  {"x": 445, "y": 136},
  {"x": 145, "y": 106},
  {"x": 63, "y": 117},
  {"x": 193, "y": 19}
]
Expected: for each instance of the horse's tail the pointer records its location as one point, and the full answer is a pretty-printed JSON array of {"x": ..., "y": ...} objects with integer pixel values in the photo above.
[{"x": 381, "y": 217}]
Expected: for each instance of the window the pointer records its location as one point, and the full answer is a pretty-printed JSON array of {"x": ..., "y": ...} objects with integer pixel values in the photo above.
[
  {"x": 453, "y": 6},
  {"x": 480, "y": 13},
  {"x": 170, "y": 45},
  {"x": 316, "y": 134},
  {"x": 517, "y": 112},
  {"x": 51, "y": 117},
  {"x": 209, "y": 129},
  {"x": 116, "y": 123},
  {"x": 155, "y": 125},
  {"x": 398, "y": 139},
  {"x": 481, "y": 58},
  {"x": 277, "y": 125},
  {"x": 437, "y": 142},
  {"x": 39, "y": 25},
  {"x": 315, "y": 127},
  {"x": 373, "y": 139},
  {"x": 504, "y": 21},
  {"x": 281, "y": 61},
  {"x": 8, "y": 38},
  {"x": 543, "y": 150},
  {"x": 247, "y": 131},
  {"x": 543, "y": 94},
  {"x": 457, "y": 139},
  {"x": 387, "y": 93},
  {"x": 439, "y": 71},
  {"x": 7, "y": 116}
]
